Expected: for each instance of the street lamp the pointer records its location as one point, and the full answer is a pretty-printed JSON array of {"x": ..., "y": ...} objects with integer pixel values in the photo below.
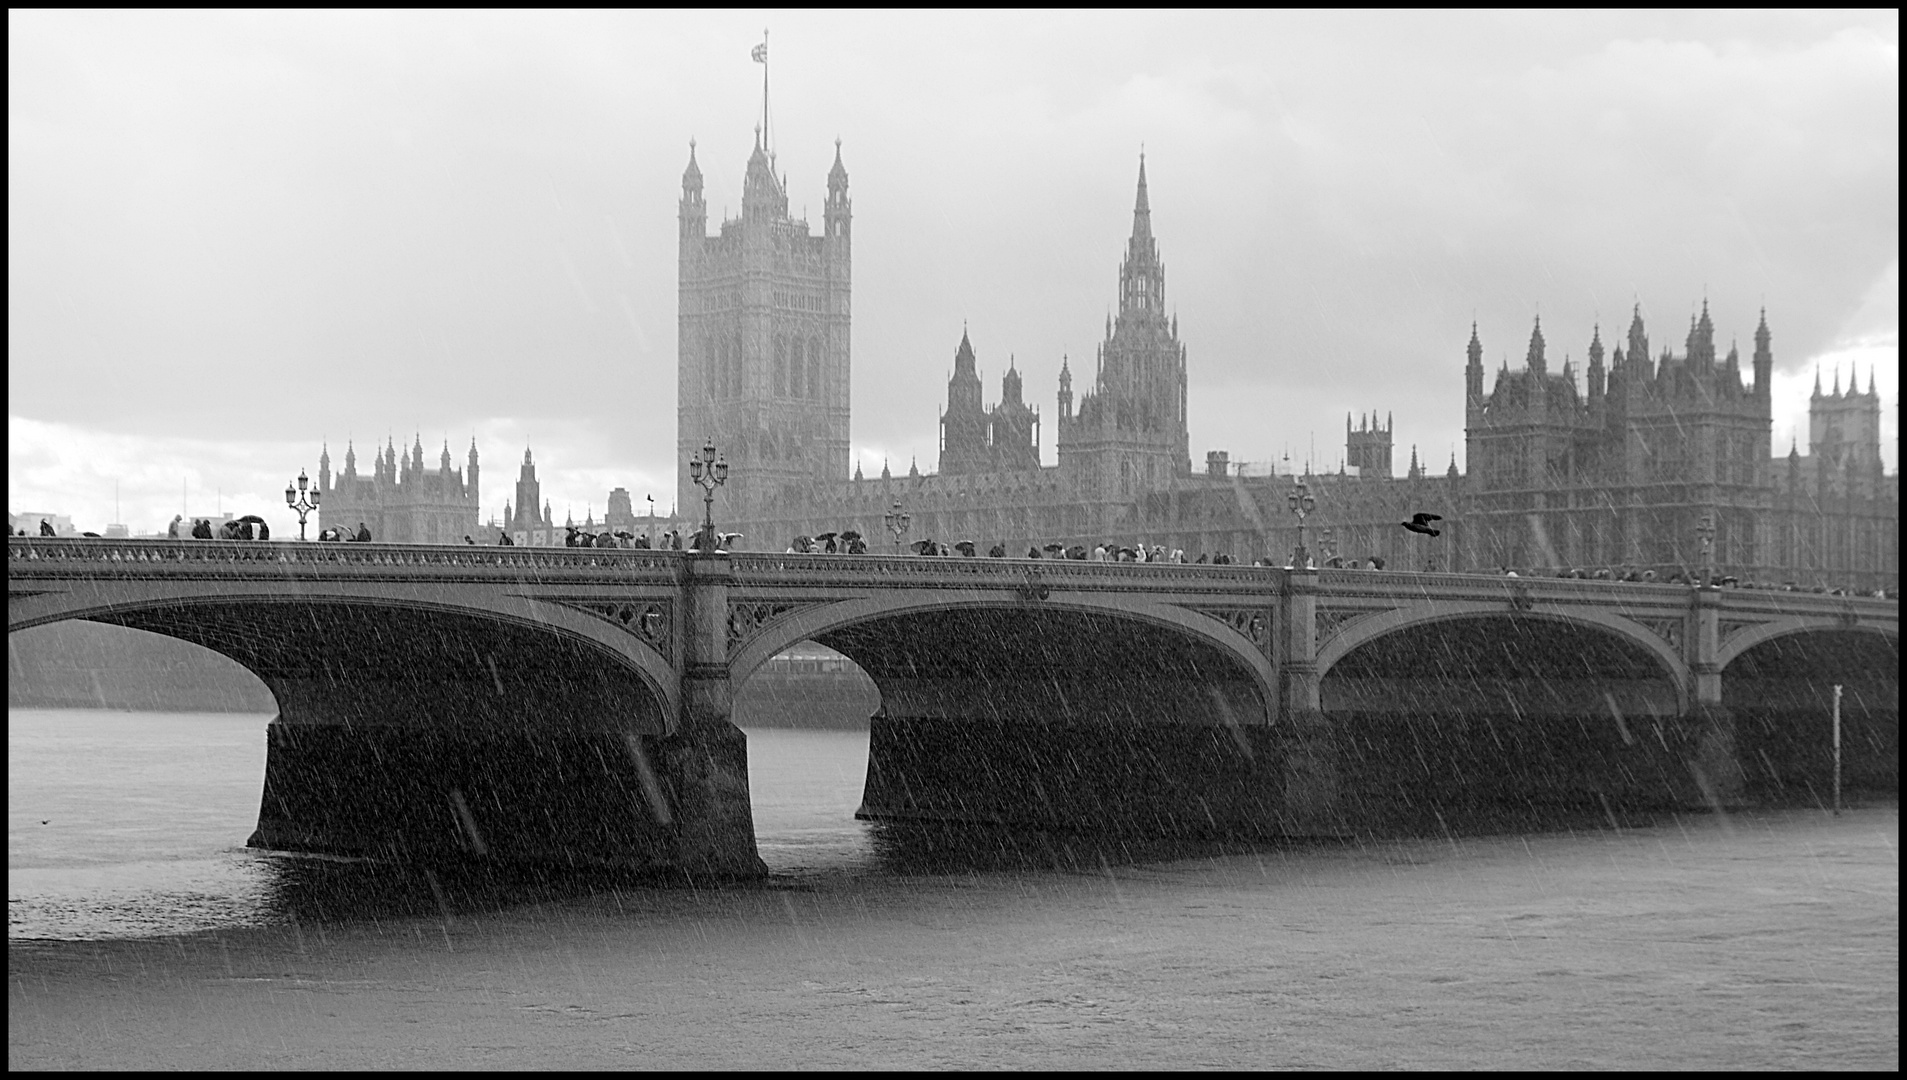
[
  {"x": 1706, "y": 530},
  {"x": 898, "y": 522},
  {"x": 1300, "y": 502},
  {"x": 709, "y": 471},
  {"x": 295, "y": 498}
]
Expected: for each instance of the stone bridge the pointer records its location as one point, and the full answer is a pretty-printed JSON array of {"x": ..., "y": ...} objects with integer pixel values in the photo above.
[{"x": 573, "y": 704}]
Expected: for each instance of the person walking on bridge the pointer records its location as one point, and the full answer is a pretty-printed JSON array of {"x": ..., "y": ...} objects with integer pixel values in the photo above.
[{"x": 172, "y": 530}]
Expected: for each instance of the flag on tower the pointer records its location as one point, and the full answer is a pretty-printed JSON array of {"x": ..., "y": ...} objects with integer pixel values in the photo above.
[{"x": 760, "y": 53}]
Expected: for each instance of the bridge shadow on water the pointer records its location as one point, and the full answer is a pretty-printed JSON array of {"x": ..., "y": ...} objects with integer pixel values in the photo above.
[{"x": 305, "y": 889}]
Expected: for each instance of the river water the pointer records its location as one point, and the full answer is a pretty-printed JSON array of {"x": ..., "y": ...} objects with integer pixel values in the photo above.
[{"x": 142, "y": 933}]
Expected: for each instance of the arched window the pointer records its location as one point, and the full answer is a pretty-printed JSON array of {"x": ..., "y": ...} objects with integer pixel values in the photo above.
[
  {"x": 797, "y": 368},
  {"x": 781, "y": 366},
  {"x": 814, "y": 369},
  {"x": 718, "y": 359},
  {"x": 736, "y": 371}
]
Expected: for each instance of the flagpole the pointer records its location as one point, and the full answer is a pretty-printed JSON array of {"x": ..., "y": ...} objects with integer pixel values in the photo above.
[{"x": 764, "y": 89}]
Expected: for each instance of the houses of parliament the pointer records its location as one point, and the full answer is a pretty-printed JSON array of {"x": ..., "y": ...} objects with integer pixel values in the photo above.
[
  {"x": 1616, "y": 466},
  {"x": 1620, "y": 465}
]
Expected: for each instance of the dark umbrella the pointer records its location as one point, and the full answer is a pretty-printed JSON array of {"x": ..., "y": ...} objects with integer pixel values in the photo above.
[
  {"x": 850, "y": 536},
  {"x": 923, "y": 547},
  {"x": 1077, "y": 552},
  {"x": 965, "y": 547},
  {"x": 1054, "y": 549}
]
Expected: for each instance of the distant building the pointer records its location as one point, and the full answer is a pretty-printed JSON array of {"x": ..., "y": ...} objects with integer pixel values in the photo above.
[
  {"x": 1616, "y": 473},
  {"x": 763, "y": 359},
  {"x": 62, "y": 523},
  {"x": 401, "y": 501}
]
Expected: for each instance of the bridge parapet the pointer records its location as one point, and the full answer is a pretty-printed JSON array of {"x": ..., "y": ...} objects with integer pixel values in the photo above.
[
  {"x": 914, "y": 571},
  {"x": 65, "y": 557}
]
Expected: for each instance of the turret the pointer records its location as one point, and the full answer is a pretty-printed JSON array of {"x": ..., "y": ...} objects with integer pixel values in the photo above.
[
  {"x": 693, "y": 212},
  {"x": 324, "y": 467},
  {"x": 1596, "y": 372},
  {"x": 1473, "y": 371},
  {"x": 470, "y": 465},
  {"x": 1638, "y": 351},
  {"x": 1701, "y": 342},
  {"x": 1764, "y": 360},
  {"x": 840, "y": 210},
  {"x": 1065, "y": 390},
  {"x": 1537, "y": 385},
  {"x": 350, "y": 460}
]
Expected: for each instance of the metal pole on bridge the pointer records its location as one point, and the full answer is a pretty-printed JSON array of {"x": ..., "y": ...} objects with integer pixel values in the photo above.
[{"x": 1837, "y": 749}]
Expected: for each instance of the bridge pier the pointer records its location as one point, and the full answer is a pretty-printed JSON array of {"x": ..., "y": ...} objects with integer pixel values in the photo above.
[
  {"x": 707, "y": 754},
  {"x": 1307, "y": 743},
  {"x": 1714, "y": 762}
]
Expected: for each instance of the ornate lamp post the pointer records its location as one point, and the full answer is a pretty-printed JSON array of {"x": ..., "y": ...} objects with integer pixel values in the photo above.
[
  {"x": 295, "y": 498},
  {"x": 709, "y": 471},
  {"x": 1300, "y": 502},
  {"x": 1706, "y": 530},
  {"x": 898, "y": 522}
]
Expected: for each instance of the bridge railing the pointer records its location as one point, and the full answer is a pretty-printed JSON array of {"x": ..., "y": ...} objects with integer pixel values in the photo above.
[
  {"x": 942, "y": 571},
  {"x": 68, "y": 556}
]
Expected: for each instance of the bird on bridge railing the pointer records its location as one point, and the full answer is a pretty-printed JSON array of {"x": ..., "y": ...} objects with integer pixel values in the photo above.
[{"x": 1420, "y": 523}]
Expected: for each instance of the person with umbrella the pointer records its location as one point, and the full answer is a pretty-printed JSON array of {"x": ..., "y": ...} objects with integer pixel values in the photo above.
[
  {"x": 997, "y": 551},
  {"x": 255, "y": 528},
  {"x": 855, "y": 544},
  {"x": 965, "y": 547},
  {"x": 826, "y": 542}
]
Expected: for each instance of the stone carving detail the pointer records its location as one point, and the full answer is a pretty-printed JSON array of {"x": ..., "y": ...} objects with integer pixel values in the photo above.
[
  {"x": 647, "y": 620},
  {"x": 1669, "y": 630},
  {"x": 1254, "y": 623},
  {"x": 1728, "y": 628},
  {"x": 1332, "y": 620},
  {"x": 747, "y": 617}
]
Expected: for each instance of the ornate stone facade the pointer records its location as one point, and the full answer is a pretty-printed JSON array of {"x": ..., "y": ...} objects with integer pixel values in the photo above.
[
  {"x": 401, "y": 502},
  {"x": 762, "y": 329},
  {"x": 1617, "y": 475}
]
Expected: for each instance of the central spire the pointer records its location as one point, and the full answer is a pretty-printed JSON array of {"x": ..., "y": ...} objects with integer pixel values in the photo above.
[{"x": 1142, "y": 207}]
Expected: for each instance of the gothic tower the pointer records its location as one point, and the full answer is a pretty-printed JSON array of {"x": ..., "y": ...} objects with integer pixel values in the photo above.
[
  {"x": 762, "y": 338},
  {"x": 1129, "y": 433},
  {"x": 963, "y": 426}
]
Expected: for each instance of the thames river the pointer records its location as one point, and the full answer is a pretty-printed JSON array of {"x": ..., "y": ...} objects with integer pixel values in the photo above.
[{"x": 143, "y": 934}]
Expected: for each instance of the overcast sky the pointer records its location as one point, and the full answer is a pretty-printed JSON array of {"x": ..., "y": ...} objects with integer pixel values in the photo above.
[{"x": 232, "y": 235}]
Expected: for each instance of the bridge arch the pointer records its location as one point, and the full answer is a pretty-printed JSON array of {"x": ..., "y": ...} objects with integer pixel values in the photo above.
[
  {"x": 328, "y": 655},
  {"x": 1166, "y": 624},
  {"x": 1369, "y": 628},
  {"x": 1075, "y": 711},
  {"x": 1748, "y": 637}
]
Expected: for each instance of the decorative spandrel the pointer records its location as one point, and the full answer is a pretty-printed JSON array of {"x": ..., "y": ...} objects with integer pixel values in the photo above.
[
  {"x": 1253, "y": 622},
  {"x": 746, "y": 618},
  {"x": 650, "y": 621}
]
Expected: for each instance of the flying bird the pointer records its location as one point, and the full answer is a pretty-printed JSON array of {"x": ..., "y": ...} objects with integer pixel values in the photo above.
[
  {"x": 1420, "y": 523},
  {"x": 723, "y": 540}
]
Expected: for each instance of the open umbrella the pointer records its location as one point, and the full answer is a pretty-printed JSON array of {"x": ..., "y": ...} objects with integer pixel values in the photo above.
[
  {"x": 965, "y": 547},
  {"x": 850, "y": 536},
  {"x": 923, "y": 547},
  {"x": 1054, "y": 549},
  {"x": 1077, "y": 552}
]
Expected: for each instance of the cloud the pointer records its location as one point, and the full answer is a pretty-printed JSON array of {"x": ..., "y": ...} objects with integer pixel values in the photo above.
[{"x": 307, "y": 223}]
